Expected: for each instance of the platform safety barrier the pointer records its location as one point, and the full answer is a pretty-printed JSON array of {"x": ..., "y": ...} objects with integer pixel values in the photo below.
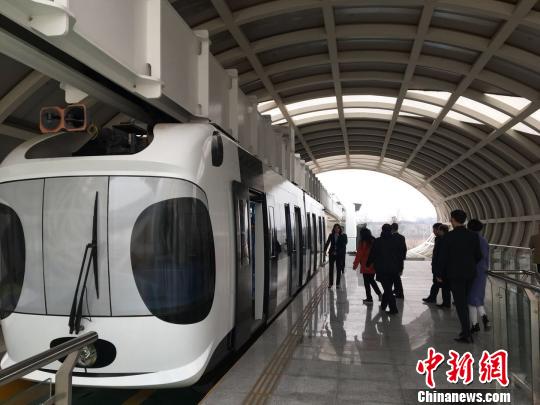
[{"x": 69, "y": 351}]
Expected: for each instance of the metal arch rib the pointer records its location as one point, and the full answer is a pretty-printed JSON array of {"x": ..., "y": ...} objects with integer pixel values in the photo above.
[{"x": 498, "y": 40}]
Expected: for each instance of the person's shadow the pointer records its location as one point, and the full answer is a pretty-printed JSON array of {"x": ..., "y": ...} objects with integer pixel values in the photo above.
[{"x": 339, "y": 308}]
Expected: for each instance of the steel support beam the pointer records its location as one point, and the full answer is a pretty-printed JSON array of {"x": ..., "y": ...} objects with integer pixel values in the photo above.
[
  {"x": 330, "y": 27},
  {"x": 520, "y": 11},
  {"x": 423, "y": 26}
]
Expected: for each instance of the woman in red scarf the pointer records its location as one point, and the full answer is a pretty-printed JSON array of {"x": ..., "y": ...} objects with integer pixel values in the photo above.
[{"x": 362, "y": 254}]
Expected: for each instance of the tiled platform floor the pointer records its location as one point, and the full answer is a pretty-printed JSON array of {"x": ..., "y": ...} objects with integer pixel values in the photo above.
[{"x": 350, "y": 353}]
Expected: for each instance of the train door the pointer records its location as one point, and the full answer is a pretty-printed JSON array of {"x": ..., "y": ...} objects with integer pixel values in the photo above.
[
  {"x": 309, "y": 246},
  {"x": 291, "y": 250},
  {"x": 250, "y": 223},
  {"x": 321, "y": 242},
  {"x": 257, "y": 241},
  {"x": 301, "y": 249},
  {"x": 273, "y": 264},
  {"x": 315, "y": 240}
]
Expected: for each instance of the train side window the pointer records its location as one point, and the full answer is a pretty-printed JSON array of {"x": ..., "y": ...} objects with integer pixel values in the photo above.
[
  {"x": 12, "y": 260},
  {"x": 173, "y": 260},
  {"x": 275, "y": 247},
  {"x": 308, "y": 221}
]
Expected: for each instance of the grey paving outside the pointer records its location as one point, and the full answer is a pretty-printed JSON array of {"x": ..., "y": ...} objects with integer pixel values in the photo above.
[{"x": 352, "y": 353}]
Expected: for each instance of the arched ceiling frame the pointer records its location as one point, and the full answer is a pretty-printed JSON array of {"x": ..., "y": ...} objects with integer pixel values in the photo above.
[{"x": 491, "y": 159}]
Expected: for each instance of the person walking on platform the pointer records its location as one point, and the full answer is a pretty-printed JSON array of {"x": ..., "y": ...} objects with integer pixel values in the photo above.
[
  {"x": 337, "y": 241},
  {"x": 386, "y": 256},
  {"x": 460, "y": 254},
  {"x": 478, "y": 289},
  {"x": 368, "y": 272},
  {"x": 534, "y": 244},
  {"x": 440, "y": 276},
  {"x": 398, "y": 285},
  {"x": 432, "y": 297},
  {"x": 439, "y": 282}
]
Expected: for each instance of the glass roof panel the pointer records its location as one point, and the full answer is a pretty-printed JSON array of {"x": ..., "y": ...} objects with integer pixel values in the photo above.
[
  {"x": 441, "y": 95},
  {"x": 461, "y": 117},
  {"x": 525, "y": 128},
  {"x": 369, "y": 99},
  {"x": 483, "y": 109},
  {"x": 265, "y": 105},
  {"x": 311, "y": 103},
  {"x": 518, "y": 103},
  {"x": 314, "y": 114},
  {"x": 423, "y": 106},
  {"x": 274, "y": 112},
  {"x": 367, "y": 111},
  {"x": 406, "y": 114},
  {"x": 536, "y": 115}
]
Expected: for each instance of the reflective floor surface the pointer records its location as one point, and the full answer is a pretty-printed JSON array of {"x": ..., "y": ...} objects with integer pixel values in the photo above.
[{"x": 347, "y": 352}]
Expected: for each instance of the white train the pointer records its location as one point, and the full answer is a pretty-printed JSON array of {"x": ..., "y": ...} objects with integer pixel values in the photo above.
[{"x": 175, "y": 248}]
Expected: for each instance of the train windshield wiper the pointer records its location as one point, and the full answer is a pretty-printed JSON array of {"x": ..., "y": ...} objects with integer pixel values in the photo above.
[{"x": 75, "y": 315}]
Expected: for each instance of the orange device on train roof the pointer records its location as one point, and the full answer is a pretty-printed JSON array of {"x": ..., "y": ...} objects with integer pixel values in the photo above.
[{"x": 55, "y": 119}]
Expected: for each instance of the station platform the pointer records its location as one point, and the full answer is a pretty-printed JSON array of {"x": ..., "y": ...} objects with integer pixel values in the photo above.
[{"x": 328, "y": 347}]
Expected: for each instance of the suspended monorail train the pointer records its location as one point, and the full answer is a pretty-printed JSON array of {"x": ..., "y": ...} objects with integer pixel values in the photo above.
[{"x": 175, "y": 247}]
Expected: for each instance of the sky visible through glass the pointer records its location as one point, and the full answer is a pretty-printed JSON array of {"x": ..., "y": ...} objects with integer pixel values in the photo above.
[{"x": 382, "y": 196}]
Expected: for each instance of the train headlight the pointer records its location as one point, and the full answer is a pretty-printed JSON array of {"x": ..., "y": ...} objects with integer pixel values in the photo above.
[{"x": 88, "y": 356}]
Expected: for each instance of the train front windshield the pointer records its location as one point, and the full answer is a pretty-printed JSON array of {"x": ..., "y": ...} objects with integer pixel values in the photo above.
[{"x": 153, "y": 243}]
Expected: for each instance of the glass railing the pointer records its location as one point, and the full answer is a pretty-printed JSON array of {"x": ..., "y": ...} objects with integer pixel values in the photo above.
[
  {"x": 515, "y": 302},
  {"x": 510, "y": 258}
]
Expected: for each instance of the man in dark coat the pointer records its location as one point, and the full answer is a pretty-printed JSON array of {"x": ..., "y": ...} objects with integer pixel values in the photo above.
[
  {"x": 439, "y": 230},
  {"x": 432, "y": 297},
  {"x": 460, "y": 253},
  {"x": 337, "y": 241},
  {"x": 439, "y": 270},
  {"x": 387, "y": 257},
  {"x": 398, "y": 286}
]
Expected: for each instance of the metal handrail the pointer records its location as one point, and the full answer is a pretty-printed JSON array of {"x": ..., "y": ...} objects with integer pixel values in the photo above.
[
  {"x": 528, "y": 272},
  {"x": 68, "y": 350},
  {"x": 507, "y": 246},
  {"x": 515, "y": 281}
]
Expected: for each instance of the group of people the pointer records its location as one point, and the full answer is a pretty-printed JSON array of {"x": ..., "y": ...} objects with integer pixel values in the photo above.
[
  {"x": 459, "y": 264},
  {"x": 383, "y": 257}
]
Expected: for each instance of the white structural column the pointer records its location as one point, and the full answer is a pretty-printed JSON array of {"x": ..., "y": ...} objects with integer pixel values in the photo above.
[
  {"x": 227, "y": 17},
  {"x": 423, "y": 27},
  {"x": 330, "y": 27},
  {"x": 520, "y": 12}
]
